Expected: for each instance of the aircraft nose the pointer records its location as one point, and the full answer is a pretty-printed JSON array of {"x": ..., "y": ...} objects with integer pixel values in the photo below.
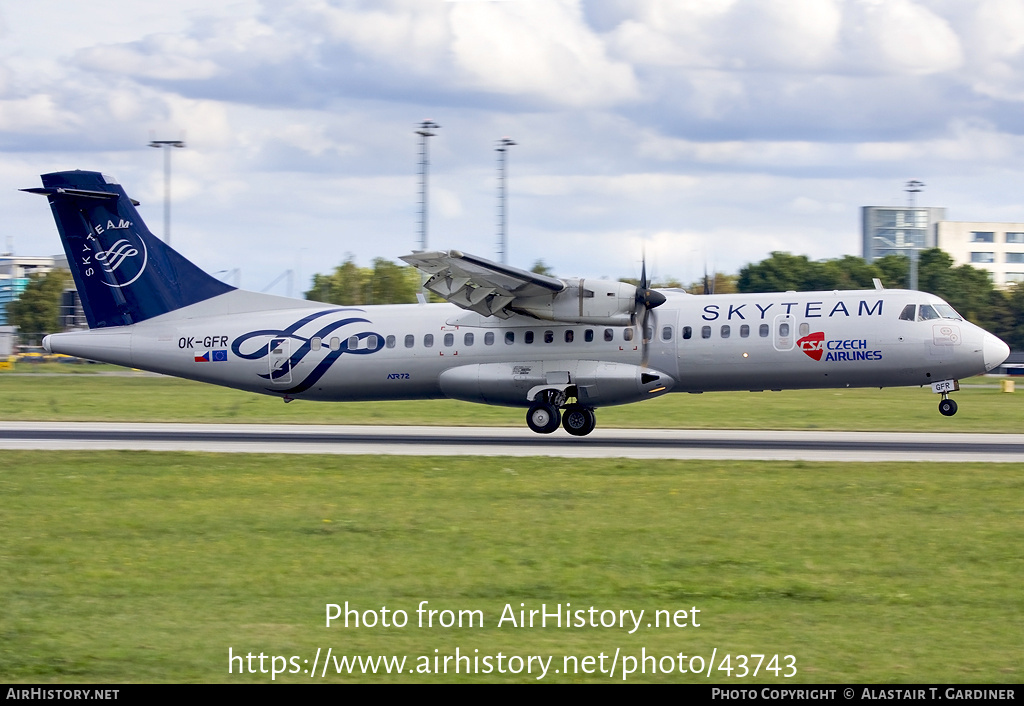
[{"x": 994, "y": 351}]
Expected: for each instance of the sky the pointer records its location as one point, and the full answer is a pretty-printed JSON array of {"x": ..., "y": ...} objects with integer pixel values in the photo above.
[{"x": 704, "y": 133}]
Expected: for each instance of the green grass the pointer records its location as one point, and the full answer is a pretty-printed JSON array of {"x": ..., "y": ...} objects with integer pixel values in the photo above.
[
  {"x": 141, "y": 567},
  {"x": 145, "y": 397}
]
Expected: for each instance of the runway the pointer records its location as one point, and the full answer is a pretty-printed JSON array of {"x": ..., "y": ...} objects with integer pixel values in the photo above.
[{"x": 500, "y": 441}]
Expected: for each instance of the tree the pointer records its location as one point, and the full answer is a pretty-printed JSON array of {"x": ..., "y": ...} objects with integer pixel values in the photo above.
[
  {"x": 37, "y": 310},
  {"x": 539, "y": 268},
  {"x": 349, "y": 284},
  {"x": 784, "y": 272},
  {"x": 717, "y": 283},
  {"x": 894, "y": 271},
  {"x": 393, "y": 283},
  {"x": 779, "y": 273}
]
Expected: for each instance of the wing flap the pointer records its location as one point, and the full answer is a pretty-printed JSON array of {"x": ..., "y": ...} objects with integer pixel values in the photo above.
[{"x": 479, "y": 285}]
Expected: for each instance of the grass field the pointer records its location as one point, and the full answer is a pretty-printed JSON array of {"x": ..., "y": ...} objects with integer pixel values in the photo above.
[
  {"x": 143, "y": 397},
  {"x": 148, "y": 567},
  {"x": 142, "y": 567}
]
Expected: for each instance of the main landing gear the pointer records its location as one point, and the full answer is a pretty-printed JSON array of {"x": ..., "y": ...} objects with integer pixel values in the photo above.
[{"x": 544, "y": 415}]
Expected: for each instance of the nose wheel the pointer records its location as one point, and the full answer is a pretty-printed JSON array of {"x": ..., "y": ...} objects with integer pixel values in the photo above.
[{"x": 947, "y": 407}]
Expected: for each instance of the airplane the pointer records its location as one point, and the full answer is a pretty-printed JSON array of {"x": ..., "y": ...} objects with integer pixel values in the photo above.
[{"x": 560, "y": 348}]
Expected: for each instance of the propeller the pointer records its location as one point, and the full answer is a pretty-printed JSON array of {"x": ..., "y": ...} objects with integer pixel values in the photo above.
[{"x": 648, "y": 299}]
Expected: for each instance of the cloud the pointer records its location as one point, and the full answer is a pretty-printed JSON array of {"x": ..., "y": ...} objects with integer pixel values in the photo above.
[
  {"x": 537, "y": 48},
  {"x": 748, "y": 125}
]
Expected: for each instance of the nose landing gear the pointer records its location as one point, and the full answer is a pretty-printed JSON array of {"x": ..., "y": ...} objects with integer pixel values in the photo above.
[{"x": 947, "y": 407}]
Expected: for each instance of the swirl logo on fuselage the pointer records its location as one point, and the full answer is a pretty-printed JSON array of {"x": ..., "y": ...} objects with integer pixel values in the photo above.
[{"x": 300, "y": 346}]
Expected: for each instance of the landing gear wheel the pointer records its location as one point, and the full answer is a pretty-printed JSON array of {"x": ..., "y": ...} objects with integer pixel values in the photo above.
[
  {"x": 543, "y": 417},
  {"x": 947, "y": 407},
  {"x": 579, "y": 420}
]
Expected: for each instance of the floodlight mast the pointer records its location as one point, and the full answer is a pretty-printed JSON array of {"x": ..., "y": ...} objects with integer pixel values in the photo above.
[
  {"x": 913, "y": 188},
  {"x": 425, "y": 130},
  {"x": 166, "y": 146},
  {"x": 503, "y": 145}
]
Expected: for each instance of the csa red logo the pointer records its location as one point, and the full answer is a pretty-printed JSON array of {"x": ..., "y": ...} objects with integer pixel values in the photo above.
[{"x": 813, "y": 344}]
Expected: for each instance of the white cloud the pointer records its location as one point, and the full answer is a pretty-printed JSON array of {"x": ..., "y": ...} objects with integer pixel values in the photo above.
[
  {"x": 739, "y": 126},
  {"x": 537, "y": 48},
  {"x": 899, "y": 36}
]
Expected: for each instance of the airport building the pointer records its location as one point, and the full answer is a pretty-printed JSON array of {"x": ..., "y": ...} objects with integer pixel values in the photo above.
[
  {"x": 895, "y": 230},
  {"x": 14, "y": 276},
  {"x": 997, "y": 248}
]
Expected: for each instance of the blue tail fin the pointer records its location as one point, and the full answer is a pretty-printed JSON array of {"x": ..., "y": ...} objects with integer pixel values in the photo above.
[{"x": 124, "y": 274}]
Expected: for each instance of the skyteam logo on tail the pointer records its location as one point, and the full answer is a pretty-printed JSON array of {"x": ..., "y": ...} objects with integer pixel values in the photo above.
[
  {"x": 122, "y": 262},
  {"x": 115, "y": 257}
]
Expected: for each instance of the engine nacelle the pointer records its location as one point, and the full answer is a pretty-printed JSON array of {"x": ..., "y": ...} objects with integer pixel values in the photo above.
[
  {"x": 599, "y": 302},
  {"x": 593, "y": 383}
]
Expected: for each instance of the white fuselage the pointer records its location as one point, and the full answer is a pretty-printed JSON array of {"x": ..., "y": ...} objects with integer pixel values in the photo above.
[{"x": 305, "y": 350}]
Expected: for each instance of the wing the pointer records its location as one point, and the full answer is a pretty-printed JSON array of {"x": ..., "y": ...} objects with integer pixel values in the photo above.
[{"x": 480, "y": 285}]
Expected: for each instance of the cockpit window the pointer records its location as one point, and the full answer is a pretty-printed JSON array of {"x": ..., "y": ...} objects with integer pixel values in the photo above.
[
  {"x": 909, "y": 312},
  {"x": 928, "y": 312}
]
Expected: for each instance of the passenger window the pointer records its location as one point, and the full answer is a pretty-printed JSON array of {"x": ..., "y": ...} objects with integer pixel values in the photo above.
[
  {"x": 705, "y": 332},
  {"x": 744, "y": 331},
  {"x": 449, "y": 340},
  {"x": 528, "y": 337},
  {"x": 569, "y": 335},
  {"x": 428, "y": 340},
  {"x": 687, "y": 332},
  {"x": 315, "y": 343},
  {"x": 468, "y": 339},
  {"x": 335, "y": 343},
  {"x": 510, "y": 338},
  {"x": 762, "y": 331},
  {"x": 390, "y": 341},
  {"x": 410, "y": 340},
  {"x": 609, "y": 335},
  {"x": 353, "y": 342},
  {"x": 805, "y": 328},
  {"x": 726, "y": 330},
  {"x": 909, "y": 312},
  {"x": 489, "y": 338},
  {"x": 371, "y": 342},
  {"x": 549, "y": 337},
  {"x": 784, "y": 329},
  {"x": 666, "y": 333},
  {"x": 588, "y": 335},
  {"x": 627, "y": 334}
]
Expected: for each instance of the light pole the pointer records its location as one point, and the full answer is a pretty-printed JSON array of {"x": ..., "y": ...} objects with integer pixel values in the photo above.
[
  {"x": 424, "y": 131},
  {"x": 913, "y": 188},
  {"x": 166, "y": 146},
  {"x": 503, "y": 145}
]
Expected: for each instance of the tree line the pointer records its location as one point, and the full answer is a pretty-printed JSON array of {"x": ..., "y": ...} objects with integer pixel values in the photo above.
[{"x": 967, "y": 289}]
